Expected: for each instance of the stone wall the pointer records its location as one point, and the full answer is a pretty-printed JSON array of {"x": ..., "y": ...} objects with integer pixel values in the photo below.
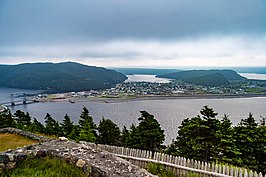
[
  {"x": 25, "y": 134},
  {"x": 93, "y": 162}
]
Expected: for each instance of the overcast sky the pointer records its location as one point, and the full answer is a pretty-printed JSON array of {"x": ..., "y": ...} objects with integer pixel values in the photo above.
[{"x": 134, "y": 33}]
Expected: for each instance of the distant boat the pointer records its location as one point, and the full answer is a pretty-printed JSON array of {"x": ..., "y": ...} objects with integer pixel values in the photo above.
[{"x": 71, "y": 101}]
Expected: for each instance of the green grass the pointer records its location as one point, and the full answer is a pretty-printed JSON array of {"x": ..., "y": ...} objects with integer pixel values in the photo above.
[
  {"x": 160, "y": 170},
  {"x": 44, "y": 167},
  {"x": 12, "y": 141}
]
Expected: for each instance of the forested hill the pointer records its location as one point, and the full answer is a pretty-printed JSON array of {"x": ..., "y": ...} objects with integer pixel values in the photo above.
[
  {"x": 205, "y": 77},
  {"x": 59, "y": 77}
]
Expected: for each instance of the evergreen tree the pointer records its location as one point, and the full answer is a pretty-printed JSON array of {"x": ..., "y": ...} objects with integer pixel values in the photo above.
[
  {"x": 6, "y": 119},
  {"x": 66, "y": 126},
  {"x": 86, "y": 132},
  {"x": 124, "y": 136},
  {"x": 133, "y": 138},
  {"x": 109, "y": 133},
  {"x": 23, "y": 120},
  {"x": 74, "y": 135},
  {"x": 228, "y": 152},
  {"x": 197, "y": 136},
  {"x": 150, "y": 131},
  {"x": 248, "y": 140},
  {"x": 52, "y": 126},
  {"x": 85, "y": 117},
  {"x": 36, "y": 126}
]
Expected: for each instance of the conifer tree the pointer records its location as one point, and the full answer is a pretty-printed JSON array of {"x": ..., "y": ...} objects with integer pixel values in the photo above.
[
  {"x": 6, "y": 119},
  {"x": 150, "y": 131},
  {"x": 52, "y": 126},
  {"x": 36, "y": 126},
  {"x": 86, "y": 118},
  {"x": 66, "y": 126},
  {"x": 86, "y": 132},
  {"x": 109, "y": 133}
]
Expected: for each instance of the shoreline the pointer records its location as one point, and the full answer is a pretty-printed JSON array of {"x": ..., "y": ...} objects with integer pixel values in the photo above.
[{"x": 152, "y": 97}]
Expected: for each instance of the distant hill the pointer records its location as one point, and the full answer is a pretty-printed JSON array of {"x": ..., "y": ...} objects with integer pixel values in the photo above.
[
  {"x": 59, "y": 77},
  {"x": 205, "y": 77},
  {"x": 211, "y": 80},
  {"x": 130, "y": 71}
]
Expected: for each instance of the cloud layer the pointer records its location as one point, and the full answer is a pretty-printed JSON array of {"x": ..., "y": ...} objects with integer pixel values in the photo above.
[{"x": 134, "y": 33}]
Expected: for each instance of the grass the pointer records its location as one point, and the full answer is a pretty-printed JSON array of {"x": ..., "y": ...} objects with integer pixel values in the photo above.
[
  {"x": 160, "y": 170},
  {"x": 44, "y": 167},
  {"x": 12, "y": 141}
]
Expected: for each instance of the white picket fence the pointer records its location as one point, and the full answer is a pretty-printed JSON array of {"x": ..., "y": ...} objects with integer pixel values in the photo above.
[{"x": 178, "y": 165}]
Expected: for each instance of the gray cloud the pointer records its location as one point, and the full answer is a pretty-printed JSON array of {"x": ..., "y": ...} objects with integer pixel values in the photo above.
[
  {"x": 134, "y": 32},
  {"x": 68, "y": 21}
]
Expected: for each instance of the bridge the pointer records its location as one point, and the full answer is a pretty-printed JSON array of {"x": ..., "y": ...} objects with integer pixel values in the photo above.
[{"x": 17, "y": 99}]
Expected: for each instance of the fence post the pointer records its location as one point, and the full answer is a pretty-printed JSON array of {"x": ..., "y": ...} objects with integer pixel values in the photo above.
[
  {"x": 250, "y": 173},
  {"x": 246, "y": 173},
  {"x": 240, "y": 173}
]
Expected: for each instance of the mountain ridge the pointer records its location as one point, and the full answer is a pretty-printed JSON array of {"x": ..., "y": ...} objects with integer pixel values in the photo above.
[{"x": 58, "y": 77}]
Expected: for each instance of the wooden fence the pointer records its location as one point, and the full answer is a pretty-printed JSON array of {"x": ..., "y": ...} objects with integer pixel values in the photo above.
[{"x": 178, "y": 165}]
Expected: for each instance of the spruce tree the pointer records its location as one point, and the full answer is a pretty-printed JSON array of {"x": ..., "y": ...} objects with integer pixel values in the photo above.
[
  {"x": 66, "y": 126},
  {"x": 150, "y": 131},
  {"x": 52, "y": 126},
  {"x": 86, "y": 118},
  {"x": 86, "y": 132},
  {"x": 109, "y": 133}
]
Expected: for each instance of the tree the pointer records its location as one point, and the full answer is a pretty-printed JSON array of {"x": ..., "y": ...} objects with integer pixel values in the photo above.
[
  {"x": 228, "y": 152},
  {"x": 66, "y": 126},
  {"x": 250, "y": 142},
  {"x": 150, "y": 131},
  {"x": 86, "y": 132},
  {"x": 124, "y": 136},
  {"x": 22, "y": 119},
  {"x": 109, "y": 133},
  {"x": 36, "y": 126},
  {"x": 6, "y": 119},
  {"x": 74, "y": 135},
  {"x": 52, "y": 126},
  {"x": 86, "y": 118},
  {"x": 197, "y": 136}
]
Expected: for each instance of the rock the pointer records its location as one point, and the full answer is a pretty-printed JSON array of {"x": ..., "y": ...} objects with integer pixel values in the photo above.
[
  {"x": 42, "y": 153},
  {"x": 11, "y": 157},
  {"x": 4, "y": 158},
  {"x": 129, "y": 168},
  {"x": 63, "y": 138},
  {"x": 2, "y": 166},
  {"x": 80, "y": 163},
  {"x": 10, "y": 165},
  {"x": 19, "y": 150}
]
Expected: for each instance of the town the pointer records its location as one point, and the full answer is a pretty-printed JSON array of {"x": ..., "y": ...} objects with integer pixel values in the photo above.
[{"x": 127, "y": 90}]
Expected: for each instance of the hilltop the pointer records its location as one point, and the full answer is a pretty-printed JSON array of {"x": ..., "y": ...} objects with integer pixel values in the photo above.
[
  {"x": 58, "y": 77},
  {"x": 205, "y": 77}
]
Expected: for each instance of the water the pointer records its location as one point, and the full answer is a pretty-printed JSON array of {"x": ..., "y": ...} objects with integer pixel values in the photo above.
[
  {"x": 169, "y": 113},
  {"x": 254, "y": 76},
  {"x": 5, "y": 93},
  {"x": 146, "y": 78}
]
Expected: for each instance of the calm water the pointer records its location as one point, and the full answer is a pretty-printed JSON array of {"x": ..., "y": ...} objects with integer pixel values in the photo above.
[
  {"x": 146, "y": 78},
  {"x": 254, "y": 76}
]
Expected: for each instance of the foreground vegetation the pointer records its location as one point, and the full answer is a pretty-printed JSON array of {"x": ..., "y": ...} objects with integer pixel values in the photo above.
[
  {"x": 11, "y": 141},
  {"x": 204, "y": 137},
  {"x": 44, "y": 167}
]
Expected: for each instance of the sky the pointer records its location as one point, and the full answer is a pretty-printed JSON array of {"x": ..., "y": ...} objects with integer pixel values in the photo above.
[{"x": 134, "y": 33}]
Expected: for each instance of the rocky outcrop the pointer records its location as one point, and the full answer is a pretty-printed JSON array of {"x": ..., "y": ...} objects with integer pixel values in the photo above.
[{"x": 93, "y": 162}]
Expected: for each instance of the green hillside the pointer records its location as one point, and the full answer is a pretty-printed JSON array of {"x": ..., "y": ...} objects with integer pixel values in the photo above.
[
  {"x": 59, "y": 77},
  {"x": 211, "y": 80},
  {"x": 229, "y": 74}
]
